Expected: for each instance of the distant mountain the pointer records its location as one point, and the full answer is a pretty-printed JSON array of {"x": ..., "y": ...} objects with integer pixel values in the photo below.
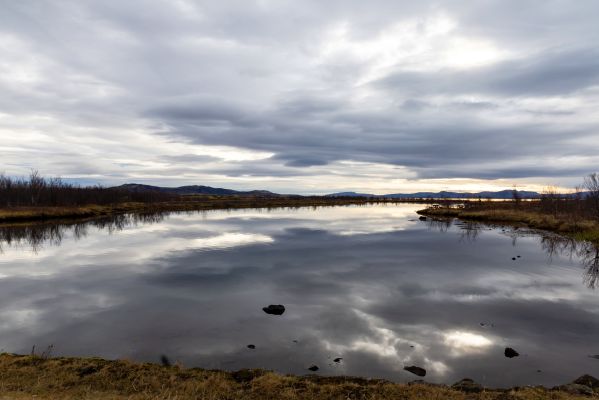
[
  {"x": 502, "y": 194},
  {"x": 195, "y": 189},
  {"x": 350, "y": 194}
]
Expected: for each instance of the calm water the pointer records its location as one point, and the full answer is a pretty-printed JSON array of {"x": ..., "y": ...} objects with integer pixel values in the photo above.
[{"x": 373, "y": 285}]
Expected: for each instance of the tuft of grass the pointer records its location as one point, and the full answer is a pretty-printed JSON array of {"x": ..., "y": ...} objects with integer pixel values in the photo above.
[{"x": 26, "y": 377}]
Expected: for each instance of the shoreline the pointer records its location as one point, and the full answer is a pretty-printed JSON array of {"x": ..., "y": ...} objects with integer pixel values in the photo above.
[
  {"x": 43, "y": 213},
  {"x": 45, "y": 377},
  {"x": 582, "y": 229}
]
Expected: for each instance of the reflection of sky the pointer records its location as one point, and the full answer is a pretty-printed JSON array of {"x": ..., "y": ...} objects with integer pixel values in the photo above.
[{"x": 368, "y": 284}]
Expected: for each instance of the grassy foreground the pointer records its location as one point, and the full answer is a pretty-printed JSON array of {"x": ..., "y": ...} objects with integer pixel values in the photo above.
[
  {"x": 34, "y": 377},
  {"x": 579, "y": 229}
]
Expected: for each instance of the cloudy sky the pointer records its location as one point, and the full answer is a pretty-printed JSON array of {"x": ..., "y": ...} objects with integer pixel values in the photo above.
[{"x": 302, "y": 96}]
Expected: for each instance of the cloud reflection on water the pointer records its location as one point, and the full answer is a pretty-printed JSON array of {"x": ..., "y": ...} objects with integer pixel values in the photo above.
[{"x": 405, "y": 293}]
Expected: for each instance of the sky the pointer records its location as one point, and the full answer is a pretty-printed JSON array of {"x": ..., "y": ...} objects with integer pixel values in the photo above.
[{"x": 307, "y": 97}]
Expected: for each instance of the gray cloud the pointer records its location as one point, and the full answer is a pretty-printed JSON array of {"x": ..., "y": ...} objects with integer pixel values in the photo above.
[
  {"x": 388, "y": 83},
  {"x": 551, "y": 73}
]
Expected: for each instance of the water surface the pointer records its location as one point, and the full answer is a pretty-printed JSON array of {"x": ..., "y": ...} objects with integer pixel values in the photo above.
[{"x": 371, "y": 284}]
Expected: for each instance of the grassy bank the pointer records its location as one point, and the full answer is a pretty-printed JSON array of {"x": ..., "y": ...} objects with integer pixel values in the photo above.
[
  {"x": 577, "y": 228},
  {"x": 190, "y": 203},
  {"x": 27, "y": 377}
]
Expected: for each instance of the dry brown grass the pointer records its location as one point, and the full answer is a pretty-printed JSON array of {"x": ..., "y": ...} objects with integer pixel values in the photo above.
[
  {"x": 27, "y": 377},
  {"x": 583, "y": 229},
  {"x": 187, "y": 203}
]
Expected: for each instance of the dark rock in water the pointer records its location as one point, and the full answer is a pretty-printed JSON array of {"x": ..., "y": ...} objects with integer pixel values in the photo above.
[
  {"x": 338, "y": 359},
  {"x": 247, "y": 375},
  {"x": 575, "y": 389},
  {"x": 513, "y": 258},
  {"x": 251, "y": 346},
  {"x": 416, "y": 370},
  {"x": 518, "y": 256},
  {"x": 295, "y": 341},
  {"x": 165, "y": 361},
  {"x": 274, "y": 309},
  {"x": 313, "y": 368},
  {"x": 595, "y": 356},
  {"x": 589, "y": 381},
  {"x": 510, "y": 353},
  {"x": 422, "y": 218},
  {"x": 467, "y": 385}
]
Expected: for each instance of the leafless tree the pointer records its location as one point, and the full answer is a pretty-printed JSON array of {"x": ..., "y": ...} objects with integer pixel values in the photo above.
[
  {"x": 39, "y": 191},
  {"x": 516, "y": 196},
  {"x": 550, "y": 200},
  {"x": 591, "y": 184}
]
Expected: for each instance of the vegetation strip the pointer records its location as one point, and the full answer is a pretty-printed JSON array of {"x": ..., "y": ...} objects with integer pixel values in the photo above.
[
  {"x": 20, "y": 214},
  {"x": 32, "y": 376},
  {"x": 586, "y": 229}
]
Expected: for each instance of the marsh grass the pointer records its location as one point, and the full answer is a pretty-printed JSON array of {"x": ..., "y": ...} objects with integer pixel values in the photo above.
[
  {"x": 184, "y": 203},
  {"x": 577, "y": 228},
  {"x": 31, "y": 377}
]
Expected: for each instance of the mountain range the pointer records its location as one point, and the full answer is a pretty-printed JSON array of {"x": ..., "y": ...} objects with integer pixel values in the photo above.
[
  {"x": 208, "y": 190},
  {"x": 195, "y": 189},
  {"x": 502, "y": 194}
]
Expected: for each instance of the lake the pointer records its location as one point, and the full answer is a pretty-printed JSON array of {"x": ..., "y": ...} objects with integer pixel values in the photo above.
[{"x": 373, "y": 285}]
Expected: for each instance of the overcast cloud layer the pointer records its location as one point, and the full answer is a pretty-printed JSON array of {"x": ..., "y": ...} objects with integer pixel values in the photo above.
[{"x": 303, "y": 96}]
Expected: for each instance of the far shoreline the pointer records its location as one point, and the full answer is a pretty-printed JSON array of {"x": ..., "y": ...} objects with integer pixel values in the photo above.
[{"x": 193, "y": 203}]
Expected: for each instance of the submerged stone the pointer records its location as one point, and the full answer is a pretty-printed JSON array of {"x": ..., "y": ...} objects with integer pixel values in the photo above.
[
  {"x": 588, "y": 380},
  {"x": 313, "y": 368},
  {"x": 416, "y": 370},
  {"x": 510, "y": 353},
  {"x": 251, "y": 346},
  {"x": 338, "y": 359},
  {"x": 274, "y": 309}
]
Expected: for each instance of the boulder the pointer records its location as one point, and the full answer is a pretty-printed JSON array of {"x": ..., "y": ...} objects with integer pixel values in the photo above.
[
  {"x": 589, "y": 381},
  {"x": 338, "y": 359},
  {"x": 416, "y": 370},
  {"x": 251, "y": 346},
  {"x": 467, "y": 385},
  {"x": 274, "y": 309},
  {"x": 510, "y": 353},
  {"x": 575, "y": 389},
  {"x": 313, "y": 368}
]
